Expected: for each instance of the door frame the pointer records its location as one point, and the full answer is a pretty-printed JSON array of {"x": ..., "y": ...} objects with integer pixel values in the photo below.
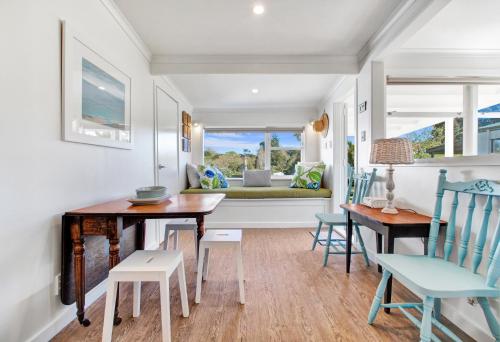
[
  {"x": 156, "y": 88},
  {"x": 156, "y": 162}
]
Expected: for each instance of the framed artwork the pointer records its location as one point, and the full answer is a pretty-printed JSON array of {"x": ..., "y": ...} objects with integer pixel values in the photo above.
[
  {"x": 96, "y": 96},
  {"x": 186, "y": 132}
]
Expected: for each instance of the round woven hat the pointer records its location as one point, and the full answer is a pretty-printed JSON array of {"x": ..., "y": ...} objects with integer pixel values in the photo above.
[{"x": 322, "y": 125}]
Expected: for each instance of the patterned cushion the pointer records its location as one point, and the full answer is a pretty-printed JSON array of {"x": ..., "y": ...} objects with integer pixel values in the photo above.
[
  {"x": 211, "y": 177},
  {"x": 308, "y": 177}
]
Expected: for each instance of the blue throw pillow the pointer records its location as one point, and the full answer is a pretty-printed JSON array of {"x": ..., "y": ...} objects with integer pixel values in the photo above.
[
  {"x": 211, "y": 177},
  {"x": 222, "y": 179}
]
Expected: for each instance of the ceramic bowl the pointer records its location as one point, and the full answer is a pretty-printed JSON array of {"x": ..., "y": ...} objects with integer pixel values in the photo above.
[{"x": 151, "y": 191}]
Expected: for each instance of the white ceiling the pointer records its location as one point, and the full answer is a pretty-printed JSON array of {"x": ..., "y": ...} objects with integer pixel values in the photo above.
[
  {"x": 228, "y": 27},
  {"x": 461, "y": 25},
  {"x": 235, "y": 90}
]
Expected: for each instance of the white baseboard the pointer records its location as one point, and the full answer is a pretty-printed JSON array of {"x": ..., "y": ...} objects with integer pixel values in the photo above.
[
  {"x": 68, "y": 314},
  {"x": 237, "y": 225}
]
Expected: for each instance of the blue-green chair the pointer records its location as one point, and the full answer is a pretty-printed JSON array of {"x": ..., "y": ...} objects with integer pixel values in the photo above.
[
  {"x": 358, "y": 186},
  {"x": 434, "y": 277}
]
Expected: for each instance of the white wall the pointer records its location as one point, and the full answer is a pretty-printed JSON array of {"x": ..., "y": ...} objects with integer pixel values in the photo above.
[
  {"x": 278, "y": 117},
  {"x": 333, "y": 147},
  {"x": 423, "y": 178},
  {"x": 41, "y": 176}
]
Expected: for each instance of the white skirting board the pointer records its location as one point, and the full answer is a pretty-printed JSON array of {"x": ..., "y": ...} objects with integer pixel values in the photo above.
[
  {"x": 69, "y": 313},
  {"x": 268, "y": 213}
]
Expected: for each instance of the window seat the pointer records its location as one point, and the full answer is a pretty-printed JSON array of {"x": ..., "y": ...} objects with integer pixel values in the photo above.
[{"x": 277, "y": 192}]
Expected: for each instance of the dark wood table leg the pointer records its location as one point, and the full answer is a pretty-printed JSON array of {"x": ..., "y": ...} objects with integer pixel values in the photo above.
[
  {"x": 379, "y": 249},
  {"x": 426, "y": 245},
  {"x": 115, "y": 228},
  {"x": 348, "y": 243},
  {"x": 140, "y": 237},
  {"x": 388, "y": 248},
  {"x": 200, "y": 221},
  {"x": 79, "y": 269}
]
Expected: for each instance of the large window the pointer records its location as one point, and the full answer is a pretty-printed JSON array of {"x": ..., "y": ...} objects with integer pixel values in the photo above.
[
  {"x": 234, "y": 151},
  {"x": 434, "y": 117}
]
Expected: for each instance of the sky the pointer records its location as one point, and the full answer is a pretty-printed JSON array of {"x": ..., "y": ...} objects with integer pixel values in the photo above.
[{"x": 223, "y": 142}]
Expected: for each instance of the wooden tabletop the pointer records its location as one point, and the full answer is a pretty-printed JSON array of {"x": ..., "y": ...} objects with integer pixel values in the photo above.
[
  {"x": 175, "y": 205},
  {"x": 403, "y": 217}
]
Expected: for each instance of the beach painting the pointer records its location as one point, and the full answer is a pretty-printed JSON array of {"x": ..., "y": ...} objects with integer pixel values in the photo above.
[
  {"x": 103, "y": 97},
  {"x": 96, "y": 95}
]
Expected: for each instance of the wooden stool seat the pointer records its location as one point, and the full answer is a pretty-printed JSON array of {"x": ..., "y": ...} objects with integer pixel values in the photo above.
[
  {"x": 220, "y": 238},
  {"x": 146, "y": 266}
]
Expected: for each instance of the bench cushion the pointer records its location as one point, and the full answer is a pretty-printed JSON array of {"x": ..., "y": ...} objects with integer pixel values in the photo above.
[{"x": 240, "y": 192}]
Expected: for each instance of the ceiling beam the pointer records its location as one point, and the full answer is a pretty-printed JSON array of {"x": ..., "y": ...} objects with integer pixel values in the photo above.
[
  {"x": 253, "y": 64},
  {"x": 409, "y": 17}
]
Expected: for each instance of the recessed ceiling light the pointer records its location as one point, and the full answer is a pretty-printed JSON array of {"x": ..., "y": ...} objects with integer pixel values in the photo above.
[
  {"x": 258, "y": 9},
  {"x": 101, "y": 88},
  {"x": 255, "y": 91}
]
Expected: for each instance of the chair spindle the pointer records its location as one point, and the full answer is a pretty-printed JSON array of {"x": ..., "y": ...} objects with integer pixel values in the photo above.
[
  {"x": 450, "y": 230},
  {"x": 464, "y": 240},
  {"x": 481, "y": 236},
  {"x": 436, "y": 218},
  {"x": 495, "y": 241}
]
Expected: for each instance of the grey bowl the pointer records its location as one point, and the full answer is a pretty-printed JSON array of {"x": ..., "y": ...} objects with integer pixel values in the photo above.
[{"x": 151, "y": 191}]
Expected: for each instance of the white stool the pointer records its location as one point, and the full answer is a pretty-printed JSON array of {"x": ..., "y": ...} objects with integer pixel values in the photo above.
[
  {"x": 181, "y": 224},
  {"x": 220, "y": 238},
  {"x": 146, "y": 266}
]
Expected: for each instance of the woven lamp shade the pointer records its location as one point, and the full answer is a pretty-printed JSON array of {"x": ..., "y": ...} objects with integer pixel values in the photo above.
[{"x": 392, "y": 151}]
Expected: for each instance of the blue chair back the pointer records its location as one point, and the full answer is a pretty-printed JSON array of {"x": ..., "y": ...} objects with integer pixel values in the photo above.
[
  {"x": 359, "y": 185},
  {"x": 475, "y": 188}
]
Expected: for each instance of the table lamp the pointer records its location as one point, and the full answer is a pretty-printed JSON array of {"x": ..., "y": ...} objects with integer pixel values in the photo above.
[{"x": 390, "y": 152}]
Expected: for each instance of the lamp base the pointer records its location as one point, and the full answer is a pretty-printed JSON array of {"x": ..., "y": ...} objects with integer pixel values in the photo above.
[{"x": 390, "y": 211}]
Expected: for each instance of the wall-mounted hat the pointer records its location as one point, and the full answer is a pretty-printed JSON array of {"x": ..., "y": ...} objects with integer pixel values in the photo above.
[{"x": 322, "y": 125}]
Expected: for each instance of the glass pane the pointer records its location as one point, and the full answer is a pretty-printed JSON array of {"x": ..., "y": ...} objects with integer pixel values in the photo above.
[
  {"x": 291, "y": 139},
  {"x": 488, "y": 135},
  {"x": 424, "y": 98},
  {"x": 422, "y": 114},
  {"x": 283, "y": 162},
  {"x": 233, "y": 152},
  {"x": 428, "y": 142},
  {"x": 351, "y": 134}
]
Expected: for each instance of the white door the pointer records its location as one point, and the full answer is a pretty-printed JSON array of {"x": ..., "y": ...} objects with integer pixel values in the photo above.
[{"x": 167, "y": 151}]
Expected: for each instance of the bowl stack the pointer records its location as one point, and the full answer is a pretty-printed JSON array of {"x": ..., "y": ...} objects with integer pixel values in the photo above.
[{"x": 150, "y": 195}]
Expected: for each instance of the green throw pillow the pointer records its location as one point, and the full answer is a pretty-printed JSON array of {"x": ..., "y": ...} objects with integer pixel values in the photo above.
[
  {"x": 211, "y": 177},
  {"x": 308, "y": 177}
]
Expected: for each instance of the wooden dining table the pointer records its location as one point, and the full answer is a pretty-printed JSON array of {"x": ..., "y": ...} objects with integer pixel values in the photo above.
[{"x": 109, "y": 220}]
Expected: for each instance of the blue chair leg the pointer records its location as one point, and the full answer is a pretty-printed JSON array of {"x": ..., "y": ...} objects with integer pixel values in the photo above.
[
  {"x": 316, "y": 236},
  {"x": 437, "y": 308},
  {"x": 327, "y": 246},
  {"x": 362, "y": 245},
  {"x": 426, "y": 327},
  {"x": 490, "y": 317},
  {"x": 378, "y": 296}
]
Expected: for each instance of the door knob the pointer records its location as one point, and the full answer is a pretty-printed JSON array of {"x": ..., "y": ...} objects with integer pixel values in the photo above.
[{"x": 161, "y": 166}]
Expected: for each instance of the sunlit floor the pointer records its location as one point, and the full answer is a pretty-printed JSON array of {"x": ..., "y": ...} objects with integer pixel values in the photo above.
[{"x": 290, "y": 297}]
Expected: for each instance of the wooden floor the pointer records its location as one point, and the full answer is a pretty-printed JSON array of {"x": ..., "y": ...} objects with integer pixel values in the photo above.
[{"x": 290, "y": 297}]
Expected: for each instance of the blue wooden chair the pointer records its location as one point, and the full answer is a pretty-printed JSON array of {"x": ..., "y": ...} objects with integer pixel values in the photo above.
[
  {"x": 434, "y": 277},
  {"x": 358, "y": 186}
]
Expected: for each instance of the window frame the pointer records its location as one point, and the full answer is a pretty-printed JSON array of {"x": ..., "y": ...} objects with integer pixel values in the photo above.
[
  {"x": 490, "y": 159},
  {"x": 268, "y": 131}
]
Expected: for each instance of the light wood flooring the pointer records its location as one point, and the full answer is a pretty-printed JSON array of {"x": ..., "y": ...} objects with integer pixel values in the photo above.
[{"x": 290, "y": 297}]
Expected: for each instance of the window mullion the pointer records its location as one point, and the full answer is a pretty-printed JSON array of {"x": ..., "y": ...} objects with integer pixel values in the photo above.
[{"x": 267, "y": 151}]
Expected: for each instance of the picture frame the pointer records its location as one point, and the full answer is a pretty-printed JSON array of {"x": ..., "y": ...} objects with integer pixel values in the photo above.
[
  {"x": 96, "y": 96},
  {"x": 186, "y": 132}
]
